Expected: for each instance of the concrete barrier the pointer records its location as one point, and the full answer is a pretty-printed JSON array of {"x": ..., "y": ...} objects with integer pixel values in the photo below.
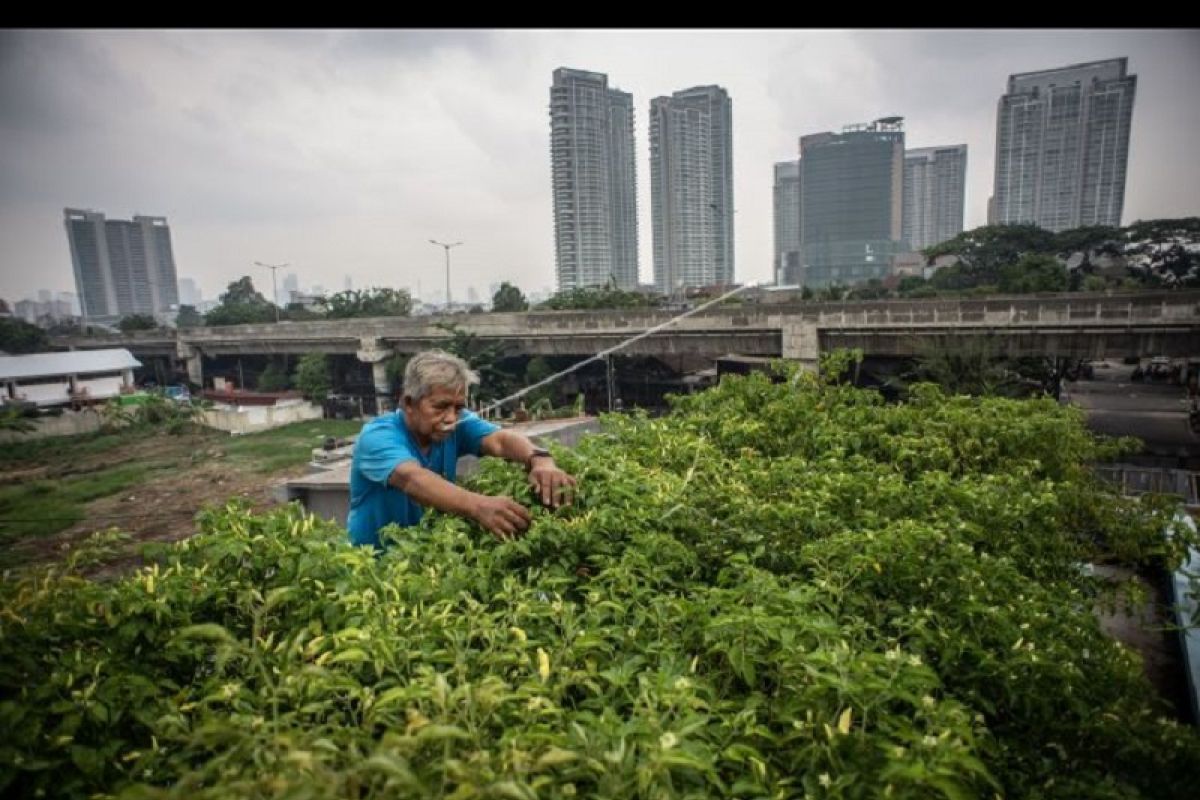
[
  {"x": 251, "y": 419},
  {"x": 70, "y": 423}
]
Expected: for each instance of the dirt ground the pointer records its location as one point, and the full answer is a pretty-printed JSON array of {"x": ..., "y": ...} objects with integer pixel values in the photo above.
[{"x": 191, "y": 472}]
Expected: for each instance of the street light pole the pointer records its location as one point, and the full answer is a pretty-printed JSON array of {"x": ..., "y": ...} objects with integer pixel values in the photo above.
[
  {"x": 447, "y": 247},
  {"x": 274, "y": 289}
]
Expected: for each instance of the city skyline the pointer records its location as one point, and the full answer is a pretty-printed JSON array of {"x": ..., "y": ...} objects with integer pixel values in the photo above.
[{"x": 344, "y": 152}]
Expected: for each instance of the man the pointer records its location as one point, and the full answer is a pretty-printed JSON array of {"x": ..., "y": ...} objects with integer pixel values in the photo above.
[{"x": 405, "y": 462}]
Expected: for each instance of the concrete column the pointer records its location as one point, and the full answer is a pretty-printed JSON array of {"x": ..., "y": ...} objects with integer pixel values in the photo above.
[
  {"x": 373, "y": 351},
  {"x": 194, "y": 359},
  {"x": 799, "y": 341},
  {"x": 126, "y": 378},
  {"x": 383, "y": 388}
]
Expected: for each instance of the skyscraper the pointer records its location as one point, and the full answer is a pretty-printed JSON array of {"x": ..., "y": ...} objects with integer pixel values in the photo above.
[
  {"x": 935, "y": 190},
  {"x": 121, "y": 266},
  {"x": 1062, "y": 146},
  {"x": 189, "y": 293},
  {"x": 851, "y": 202},
  {"x": 786, "y": 195},
  {"x": 594, "y": 181},
  {"x": 691, "y": 187},
  {"x": 291, "y": 287}
]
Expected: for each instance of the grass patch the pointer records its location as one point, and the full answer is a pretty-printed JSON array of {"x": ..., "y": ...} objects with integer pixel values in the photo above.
[
  {"x": 284, "y": 447},
  {"x": 42, "y": 450},
  {"x": 40, "y": 508}
]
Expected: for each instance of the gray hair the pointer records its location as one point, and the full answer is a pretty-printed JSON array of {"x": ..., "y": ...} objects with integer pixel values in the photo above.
[{"x": 436, "y": 368}]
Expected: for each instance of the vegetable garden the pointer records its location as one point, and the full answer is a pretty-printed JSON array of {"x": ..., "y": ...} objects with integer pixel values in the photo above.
[{"x": 781, "y": 589}]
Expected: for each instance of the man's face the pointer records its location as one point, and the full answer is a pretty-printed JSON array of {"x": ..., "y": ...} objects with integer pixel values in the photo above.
[{"x": 434, "y": 416}]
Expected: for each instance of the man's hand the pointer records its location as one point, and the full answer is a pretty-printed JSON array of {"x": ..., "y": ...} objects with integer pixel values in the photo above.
[
  {"x": 503, "y": 517},
  {"x": 554, "y": 486}
]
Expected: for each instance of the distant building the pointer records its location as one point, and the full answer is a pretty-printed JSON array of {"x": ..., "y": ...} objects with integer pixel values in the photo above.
[
  {"x": 50, "y": 379},
  {"x": 1062, "y": 146},
  {"x": 935, "y": 190},
  {"x": 691, "y": 188},
  {"x": 851, "y": 206},
  {"x": 189, "y": 293},
  {"x": 786, "y": 197},
  {"x": 593, "y": 181},
  {"x": 121, "y": 267}
]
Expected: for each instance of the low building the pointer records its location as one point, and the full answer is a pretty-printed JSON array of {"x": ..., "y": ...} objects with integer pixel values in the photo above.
[{"x": 51, "y": 379}]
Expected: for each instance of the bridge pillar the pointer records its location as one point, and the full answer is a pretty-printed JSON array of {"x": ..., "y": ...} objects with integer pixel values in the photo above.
[
  {"x": 799, "y": 341},
  {"x": 372, "y": 351},
  {"x": 191, "y": 355}
]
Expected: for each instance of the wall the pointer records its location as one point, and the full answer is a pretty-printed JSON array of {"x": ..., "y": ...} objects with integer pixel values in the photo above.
[
  {"x": 69, "y": 424},
  {"x": 251, "y": 419}
]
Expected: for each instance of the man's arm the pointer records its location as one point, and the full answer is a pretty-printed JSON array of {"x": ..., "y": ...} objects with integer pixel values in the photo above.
[
  {"x": 552, "y": 484},
  {"x": 503, "y": 517}
]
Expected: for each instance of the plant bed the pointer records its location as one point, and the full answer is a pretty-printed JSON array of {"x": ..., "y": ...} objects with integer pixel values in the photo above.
[{"x": 777, "y": 590}]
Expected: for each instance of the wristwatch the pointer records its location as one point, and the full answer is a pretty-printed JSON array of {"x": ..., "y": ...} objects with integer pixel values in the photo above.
[{"x": 538, "y": 452}]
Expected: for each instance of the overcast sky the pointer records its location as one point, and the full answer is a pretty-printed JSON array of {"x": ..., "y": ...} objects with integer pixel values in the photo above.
[{"x": 344, "y": 152}]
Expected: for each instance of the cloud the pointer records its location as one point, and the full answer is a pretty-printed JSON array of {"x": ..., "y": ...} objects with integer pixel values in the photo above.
[{"x": 345, "y": 151}]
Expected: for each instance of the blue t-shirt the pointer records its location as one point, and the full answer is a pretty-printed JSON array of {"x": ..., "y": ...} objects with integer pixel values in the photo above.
[{"x": 384, "y": 444}]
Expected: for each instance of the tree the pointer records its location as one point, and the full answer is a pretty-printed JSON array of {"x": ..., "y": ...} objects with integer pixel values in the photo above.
[
  {"x": 536, "y": 370},
  {"x": 188, "y": 317},
  {"x": 273, "y": 379},
  {"x": 18, "y": 336},
  {"x": 374, "y": 302},
  {"x": 590, "y": 298},
  {"x": 484, "y": 358},
  {"x": 983, "y": 251},
  {"x": 241, "y": 304},
  {"x": 1034, "y": 273},
  {"x": 312, "y": 377},
  {"x": 509, "y": 298},
  {"x": 1084, "y": 239},
  {"x": 963, "y": 365},
  {"x": 870, "y": 290},
  {"x": 137, "y": 322},
  {"x": 298, "y": 312}
]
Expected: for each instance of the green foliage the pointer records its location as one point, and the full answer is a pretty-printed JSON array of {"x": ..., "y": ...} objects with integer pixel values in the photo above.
[
  {"x": 598, "y": 297},
  {"x": 374, "y": 302},
  {"x": 509, "y": 298},
  {"x": 983, "y": 251},
  {"x": 188, "y": 317},
  {"x": 312, "y": 377},
  {"x": 15, "y": 420},
  {"x": 45, "y": 506},
  {"x": 137, "y": 322},
  {"x": 1034, "y": 273},
  {"x": 494, "y": 380},
  {"x": 1163, "y": 230},
  {"x": 539, "y": 369},
  {"x": 274, "y": 378},
  {"x": 288, "y": 446},
  {"x": 1083, "y": 239},
  {"x": 241, "y": 304},
  {"x": 791, "y": 589},
  {"x": 155, "y": 411},
  {"x": 17, "y": 337},
  {"x": 297, "y": 312},
  {"x": 869, "y": 290}
]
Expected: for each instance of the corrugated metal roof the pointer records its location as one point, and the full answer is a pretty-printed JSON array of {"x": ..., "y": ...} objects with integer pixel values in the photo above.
[{"x": 76, "y": 362}]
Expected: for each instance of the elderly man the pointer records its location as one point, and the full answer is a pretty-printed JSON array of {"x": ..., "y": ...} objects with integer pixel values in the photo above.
[{"x": 405, "y": 462}]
